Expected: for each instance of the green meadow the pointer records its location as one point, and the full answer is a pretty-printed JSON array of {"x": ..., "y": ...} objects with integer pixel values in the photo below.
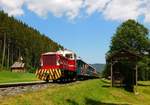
[
  {"x": 7, "y": 77},
  {"x": 90, "y": 92}
]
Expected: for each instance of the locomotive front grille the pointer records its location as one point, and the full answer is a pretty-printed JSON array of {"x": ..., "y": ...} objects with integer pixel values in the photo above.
[{"x": 48, "y": 74}]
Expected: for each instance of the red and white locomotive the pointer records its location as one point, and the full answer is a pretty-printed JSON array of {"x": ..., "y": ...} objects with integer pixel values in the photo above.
[
  {"x": 58, "y": 65},
  {"x": 63, "y": 65}
]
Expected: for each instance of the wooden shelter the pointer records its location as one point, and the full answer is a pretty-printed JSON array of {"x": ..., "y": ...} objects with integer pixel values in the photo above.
[
  {"x": 123, "y": 67},
  {"x": 18, "y": 66}
]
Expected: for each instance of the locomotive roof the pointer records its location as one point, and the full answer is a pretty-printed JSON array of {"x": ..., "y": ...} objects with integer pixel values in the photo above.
[
  {"x": 48, "y": 53},
  {"x": 66, "y": 51},
  {"x": 60, "y": 52}
]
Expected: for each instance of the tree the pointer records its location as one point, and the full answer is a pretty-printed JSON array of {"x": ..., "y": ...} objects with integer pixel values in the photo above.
[{"x": 132, "y": 36}]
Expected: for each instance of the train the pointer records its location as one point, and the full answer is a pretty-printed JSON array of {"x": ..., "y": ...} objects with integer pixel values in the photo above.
[{"x": 64, "y": 66}]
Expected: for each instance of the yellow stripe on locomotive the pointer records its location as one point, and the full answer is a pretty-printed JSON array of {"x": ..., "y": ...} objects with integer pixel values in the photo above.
[{"x": 48, "y": 74}]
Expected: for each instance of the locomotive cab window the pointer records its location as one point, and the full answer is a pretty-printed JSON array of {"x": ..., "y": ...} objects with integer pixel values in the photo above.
[{"x": 69, "y": 56}]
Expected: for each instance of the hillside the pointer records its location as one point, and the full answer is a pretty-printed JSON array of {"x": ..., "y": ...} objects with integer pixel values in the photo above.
[
  {"x": 90, "y": 92},
  {"x": 18, "y": 39},
  {"x": 99, "y": 67}
]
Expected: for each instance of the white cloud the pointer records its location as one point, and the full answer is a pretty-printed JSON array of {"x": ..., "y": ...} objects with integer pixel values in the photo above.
[
  {"x": 95, "y": 5},
  {"x": 119, "y": 9},
  {"x": 110, "y": 9},
  {"x": 69, "y": 8},
  {"x": 122, "y": 9},
  {"x": 12, "y": 7},
  {"x": 145, "y": 10}
]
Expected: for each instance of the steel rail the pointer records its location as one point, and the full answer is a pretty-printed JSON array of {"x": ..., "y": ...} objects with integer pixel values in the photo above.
[{"x": 7, "y": 85}]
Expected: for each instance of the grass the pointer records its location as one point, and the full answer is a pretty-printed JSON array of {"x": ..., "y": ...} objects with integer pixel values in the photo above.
[
  {"x": 91, "y": 92},
  {"x": 144, "y": 83},
  {"x": 7, "y": 76}
]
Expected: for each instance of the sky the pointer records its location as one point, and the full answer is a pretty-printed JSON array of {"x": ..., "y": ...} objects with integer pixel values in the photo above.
[{"x": 84, "y": 26}]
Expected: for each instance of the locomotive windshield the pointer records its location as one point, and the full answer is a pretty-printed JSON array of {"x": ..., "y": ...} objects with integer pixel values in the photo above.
[{"x": 49, "y": 60}]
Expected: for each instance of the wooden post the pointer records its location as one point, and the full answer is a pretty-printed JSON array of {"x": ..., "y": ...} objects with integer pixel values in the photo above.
[
  {"x": 136, "y": 74},
  {"x": 8, "y": 55},
  {"x": 4, "y": 48},
  {"x": 111, "y": 74}
]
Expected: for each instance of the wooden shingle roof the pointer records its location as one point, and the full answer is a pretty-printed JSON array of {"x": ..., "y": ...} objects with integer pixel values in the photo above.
[
  {"x": 18, "y": 65},
  {"x": 122, "y": 54}
]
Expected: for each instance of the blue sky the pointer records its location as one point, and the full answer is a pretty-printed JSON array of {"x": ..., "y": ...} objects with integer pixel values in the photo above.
[
  {"x": 84, "y": 26},
  {"x": 88, "y": 37}
]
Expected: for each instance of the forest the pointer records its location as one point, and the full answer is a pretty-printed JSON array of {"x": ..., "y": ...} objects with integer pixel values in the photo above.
[{"x": 17, "y": 39}]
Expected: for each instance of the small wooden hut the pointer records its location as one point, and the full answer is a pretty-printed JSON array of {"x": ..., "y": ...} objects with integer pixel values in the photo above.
[
  {"x": 123, "y": 67},
  {"x": 18, "y": 66}
]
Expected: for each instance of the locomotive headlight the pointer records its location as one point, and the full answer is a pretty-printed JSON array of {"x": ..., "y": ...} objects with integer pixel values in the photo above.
[
  {"x": 41, "y": 61},
  {"x": 58, "y": 62},
  {"x": 42, "y": 64}
]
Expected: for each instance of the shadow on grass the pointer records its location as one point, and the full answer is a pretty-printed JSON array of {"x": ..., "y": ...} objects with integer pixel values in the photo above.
[
  {"x": 89, "y": 101},
  {"x": 105, "y": 81},
  {"x": 72, "y": 102},
  {"x": 106, "y": 86},
  {"x": 127, "y": 88}
]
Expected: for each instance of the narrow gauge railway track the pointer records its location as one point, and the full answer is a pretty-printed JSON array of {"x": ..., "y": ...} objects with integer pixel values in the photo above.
[
  {"x": 7, "y": 85},
  {"x": 11, "y": 89}
]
